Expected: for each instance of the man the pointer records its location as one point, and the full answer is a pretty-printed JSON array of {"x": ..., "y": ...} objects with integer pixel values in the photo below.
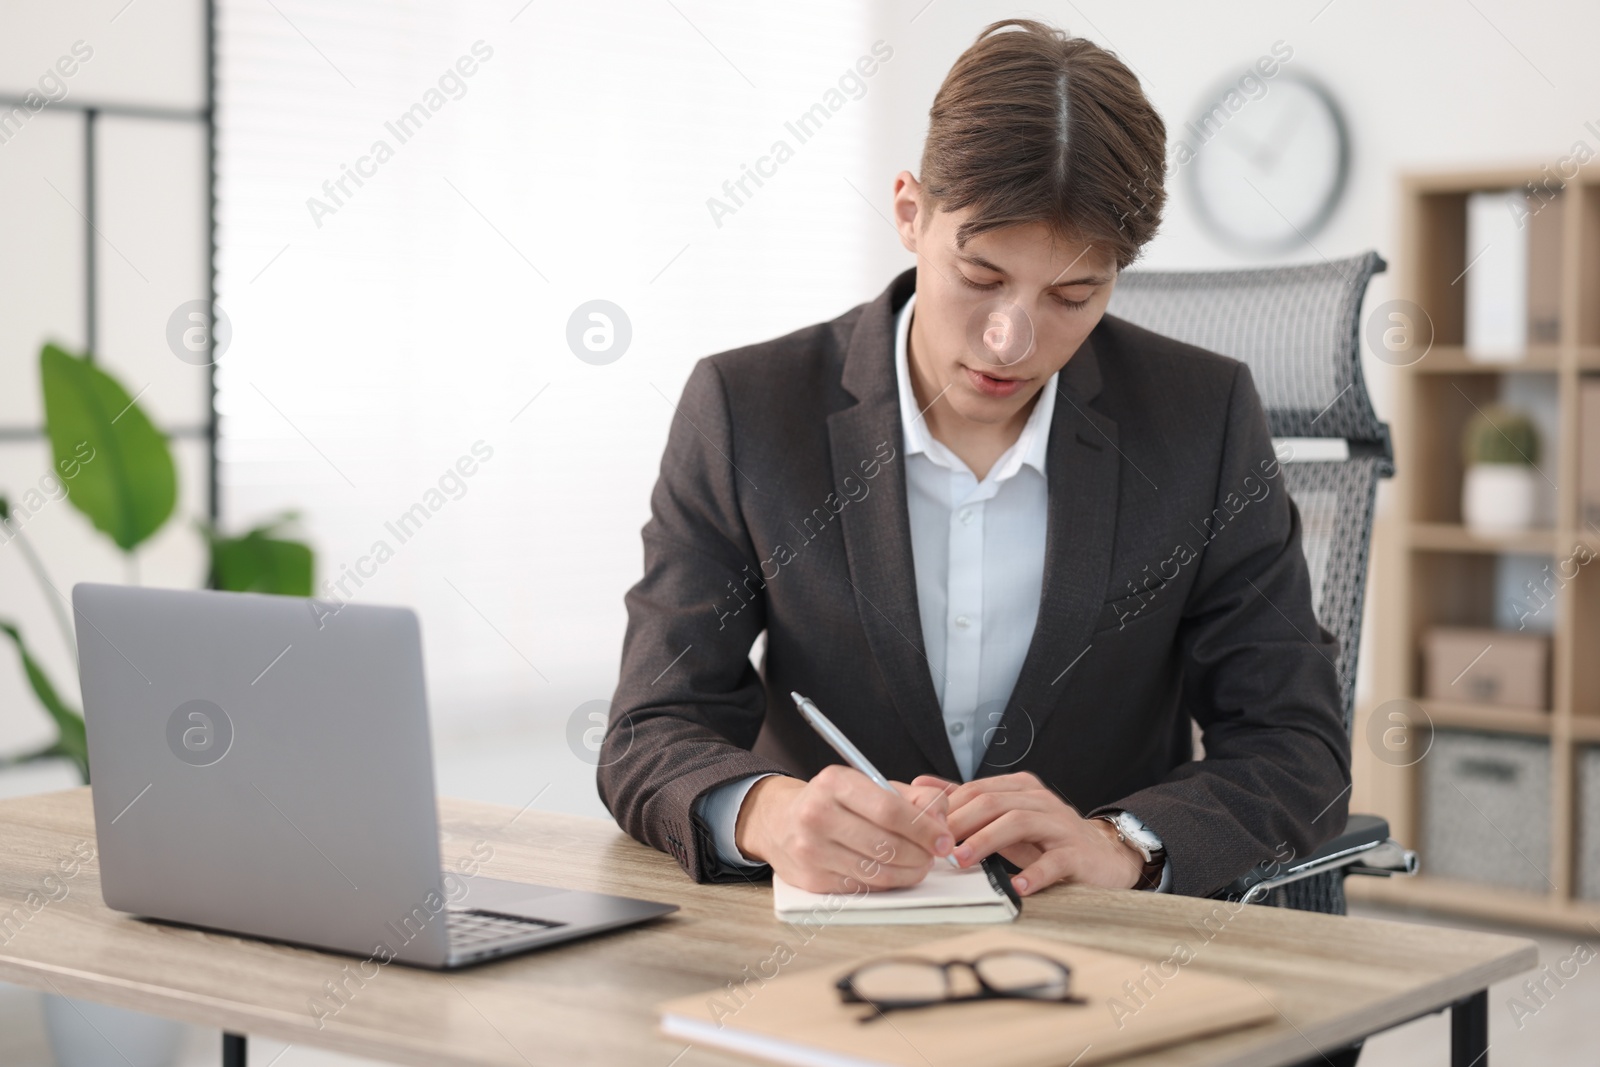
[{"x": 1011, "y": 545}]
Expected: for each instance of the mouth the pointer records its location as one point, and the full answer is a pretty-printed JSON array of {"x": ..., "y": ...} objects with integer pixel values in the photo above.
[{"x": 993, "y": 385}]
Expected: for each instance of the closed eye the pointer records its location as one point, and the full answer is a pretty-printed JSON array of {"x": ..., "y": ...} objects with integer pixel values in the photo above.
[{"x": 984, "y": 287}]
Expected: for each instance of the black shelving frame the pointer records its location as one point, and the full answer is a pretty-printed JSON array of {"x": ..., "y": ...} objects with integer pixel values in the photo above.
[{"x": 91, "y": 113}]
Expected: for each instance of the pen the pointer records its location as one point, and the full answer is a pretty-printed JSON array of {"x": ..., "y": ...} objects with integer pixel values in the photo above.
[{"x": 849, "y": 752}]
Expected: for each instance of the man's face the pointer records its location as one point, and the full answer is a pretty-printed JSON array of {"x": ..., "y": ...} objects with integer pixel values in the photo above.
[{"x": 997, "y": 317}]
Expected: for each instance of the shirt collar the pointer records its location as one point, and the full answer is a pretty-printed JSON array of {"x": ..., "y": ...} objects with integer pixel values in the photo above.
[{"x": 1030, "y": 447}]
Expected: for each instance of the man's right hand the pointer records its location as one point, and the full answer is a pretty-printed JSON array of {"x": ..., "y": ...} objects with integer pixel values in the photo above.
[{"x": 841, "y": 833}]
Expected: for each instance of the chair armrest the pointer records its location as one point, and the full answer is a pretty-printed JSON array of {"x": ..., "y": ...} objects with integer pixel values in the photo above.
[{"x": 1363, "y": 848}]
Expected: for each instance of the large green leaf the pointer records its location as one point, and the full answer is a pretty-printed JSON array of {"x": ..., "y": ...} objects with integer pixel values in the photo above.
[
  {"x": 71, "y": 741},
  {"x": 258, "y": 562},
  {"x": 121, "y": 471}
]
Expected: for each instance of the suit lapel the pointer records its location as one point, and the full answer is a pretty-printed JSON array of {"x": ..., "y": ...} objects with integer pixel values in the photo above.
[
  {"x": 1084, "y": 466},
  {"x": 877, "y": 529}
]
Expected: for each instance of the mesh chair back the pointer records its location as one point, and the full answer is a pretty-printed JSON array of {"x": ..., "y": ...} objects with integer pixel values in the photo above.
[{"x": 1298, "y": 329}]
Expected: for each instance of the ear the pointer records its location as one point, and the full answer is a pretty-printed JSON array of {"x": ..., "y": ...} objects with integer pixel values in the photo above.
[{"x": 909, "y": 218}]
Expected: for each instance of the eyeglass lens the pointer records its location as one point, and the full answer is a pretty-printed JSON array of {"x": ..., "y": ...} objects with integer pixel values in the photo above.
[{"x": 1016, "y": 974}]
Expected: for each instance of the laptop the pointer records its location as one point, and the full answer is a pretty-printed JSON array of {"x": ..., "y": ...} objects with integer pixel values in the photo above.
[{"x": 261, "y": 765}]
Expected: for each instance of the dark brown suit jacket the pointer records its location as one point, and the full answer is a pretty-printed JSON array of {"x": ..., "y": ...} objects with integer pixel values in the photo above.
[{"x": 1175, "y": 587}]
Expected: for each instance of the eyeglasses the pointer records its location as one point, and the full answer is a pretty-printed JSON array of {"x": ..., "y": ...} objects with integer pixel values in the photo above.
[{"x": 898, "y": 983}]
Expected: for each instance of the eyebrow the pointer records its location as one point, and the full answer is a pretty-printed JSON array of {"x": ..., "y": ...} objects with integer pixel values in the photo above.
[{"x": 1086, "y": 279}]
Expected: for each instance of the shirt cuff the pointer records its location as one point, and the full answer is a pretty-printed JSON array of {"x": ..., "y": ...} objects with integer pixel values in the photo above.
[
  {"x": 719, "y": 809},
  {"x": 1166, "y": 877}
]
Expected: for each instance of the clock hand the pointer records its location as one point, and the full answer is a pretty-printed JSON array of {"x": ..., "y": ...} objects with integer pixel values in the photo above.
[
  {"x": 1245, "y": 146},
  {"x": 1288, "y": 120}
]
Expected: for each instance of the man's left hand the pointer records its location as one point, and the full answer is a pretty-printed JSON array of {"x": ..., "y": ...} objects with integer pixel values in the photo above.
[{"x": 1017, "y": 816}]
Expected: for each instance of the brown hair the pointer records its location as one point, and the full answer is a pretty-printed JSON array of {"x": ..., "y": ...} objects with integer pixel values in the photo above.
[{"x": 1036, "y": 125}]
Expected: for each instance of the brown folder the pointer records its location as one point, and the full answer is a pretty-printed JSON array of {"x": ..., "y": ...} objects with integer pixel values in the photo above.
[{"x": 1130, "y": 1005}]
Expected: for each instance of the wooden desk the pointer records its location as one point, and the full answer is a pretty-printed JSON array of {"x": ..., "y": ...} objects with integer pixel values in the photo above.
[{"x": 1334, "y": 979}]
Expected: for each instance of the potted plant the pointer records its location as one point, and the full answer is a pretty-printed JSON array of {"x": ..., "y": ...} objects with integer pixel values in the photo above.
[
  {"x": 114, "y": 466},
  {"x": 1500, "y": 489}
]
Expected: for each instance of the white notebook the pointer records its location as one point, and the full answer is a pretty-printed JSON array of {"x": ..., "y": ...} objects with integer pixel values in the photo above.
[{"x": 946, "y": 895}]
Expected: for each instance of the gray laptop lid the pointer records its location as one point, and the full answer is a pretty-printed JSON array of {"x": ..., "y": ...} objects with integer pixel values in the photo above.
[{"x": 262, "y": 764}]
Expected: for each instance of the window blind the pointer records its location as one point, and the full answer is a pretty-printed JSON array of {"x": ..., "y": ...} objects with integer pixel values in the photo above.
[{"x": 414, "y": 200}]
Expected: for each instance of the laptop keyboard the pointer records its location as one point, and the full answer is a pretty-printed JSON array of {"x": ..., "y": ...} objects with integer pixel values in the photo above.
[{"x": 480, "y": 929}]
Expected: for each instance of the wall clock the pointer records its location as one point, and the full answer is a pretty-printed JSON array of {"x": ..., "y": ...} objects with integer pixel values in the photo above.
[{"x": 1269, "y": 169}]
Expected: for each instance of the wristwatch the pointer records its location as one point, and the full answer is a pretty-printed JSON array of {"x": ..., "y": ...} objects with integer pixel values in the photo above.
[{"x": 1131, "y": 830}]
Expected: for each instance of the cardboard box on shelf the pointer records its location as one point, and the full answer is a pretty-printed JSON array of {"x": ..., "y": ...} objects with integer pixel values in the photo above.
[{"x": 1499, "y": 667}]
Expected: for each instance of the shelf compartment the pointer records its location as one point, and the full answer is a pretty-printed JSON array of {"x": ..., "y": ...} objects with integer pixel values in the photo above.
[
  {"x": 1438, "y": 236},
  {"x": 1444, "y": 405},
  {"x": 1584, "y": 591},
  {"x": 1588, "y": 264}
]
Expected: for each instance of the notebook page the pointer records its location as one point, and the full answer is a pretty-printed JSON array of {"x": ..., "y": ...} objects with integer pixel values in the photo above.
[{"x": 943, "y": 887}]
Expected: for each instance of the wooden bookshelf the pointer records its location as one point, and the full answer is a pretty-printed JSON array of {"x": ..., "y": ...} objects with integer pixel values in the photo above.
[{"x": 1429, "y": 569}]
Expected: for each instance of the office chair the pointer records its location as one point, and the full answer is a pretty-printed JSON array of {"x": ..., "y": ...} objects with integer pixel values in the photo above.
[{"x": 1298, "y": 329}]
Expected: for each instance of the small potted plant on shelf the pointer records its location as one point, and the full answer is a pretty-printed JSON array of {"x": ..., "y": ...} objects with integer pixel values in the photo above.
[{"x": 1500, "y": 488}]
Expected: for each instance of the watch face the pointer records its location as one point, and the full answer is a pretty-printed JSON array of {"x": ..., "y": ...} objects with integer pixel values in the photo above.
[
  {"x": 1269, "y": 169},
  {"x": 1137, "y": 832}
]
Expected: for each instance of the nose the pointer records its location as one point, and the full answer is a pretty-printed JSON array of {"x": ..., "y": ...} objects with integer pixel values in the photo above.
[{"x": 1001, "y": 332}]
